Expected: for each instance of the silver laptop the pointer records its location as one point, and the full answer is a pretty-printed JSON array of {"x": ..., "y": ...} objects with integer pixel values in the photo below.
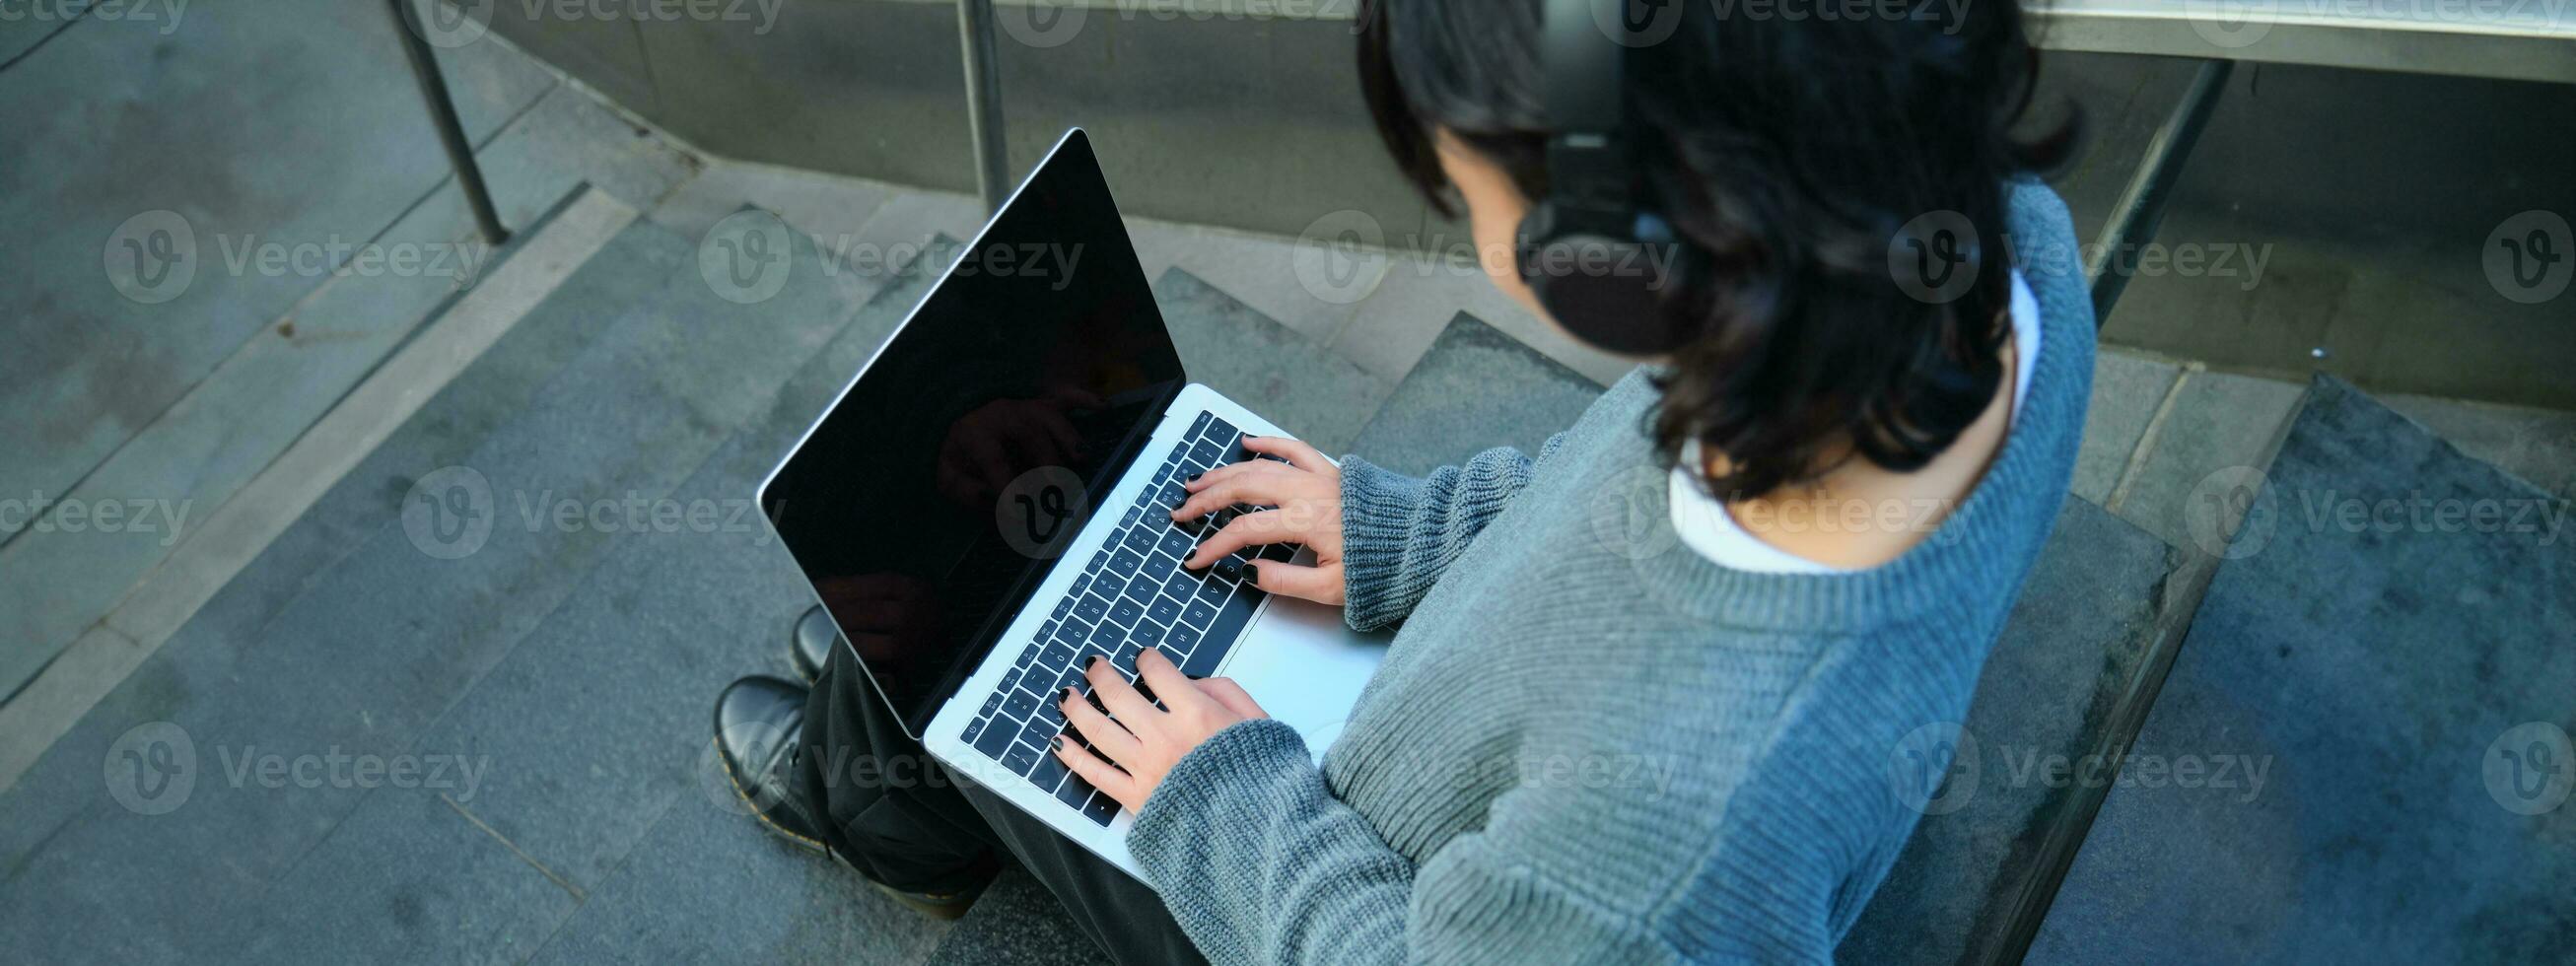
[{"x": 987, "y": 505}]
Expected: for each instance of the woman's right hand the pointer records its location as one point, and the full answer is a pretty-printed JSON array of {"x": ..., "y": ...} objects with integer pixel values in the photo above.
[{"x": 1307, "y": 494}]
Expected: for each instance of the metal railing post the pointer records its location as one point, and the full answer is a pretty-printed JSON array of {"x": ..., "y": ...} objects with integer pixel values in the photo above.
[
  {"x": 442, "y": 115},
  {"x": 2142, "y": 204},
  {"x": 984, "y": 100}
]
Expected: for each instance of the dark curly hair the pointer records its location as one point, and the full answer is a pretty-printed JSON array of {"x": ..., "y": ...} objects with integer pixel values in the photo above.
[{"x": 1788, "y": 154}]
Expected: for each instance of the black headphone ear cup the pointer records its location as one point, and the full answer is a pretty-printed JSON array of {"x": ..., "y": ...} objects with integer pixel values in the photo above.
[{"x": 1606, "y": 292}]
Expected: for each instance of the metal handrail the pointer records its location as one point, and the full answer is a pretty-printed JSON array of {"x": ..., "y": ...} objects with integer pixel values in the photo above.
[
  {"x": 442, "y": 115},
  {"x": 984, "y": 100}
]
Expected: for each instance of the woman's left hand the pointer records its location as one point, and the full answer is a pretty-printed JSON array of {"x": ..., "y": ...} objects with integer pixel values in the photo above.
[{"x": 1143, "y": 740}]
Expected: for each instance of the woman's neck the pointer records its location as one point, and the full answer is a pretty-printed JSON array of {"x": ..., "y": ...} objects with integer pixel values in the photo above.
[{"x": 1860, "y": 515}]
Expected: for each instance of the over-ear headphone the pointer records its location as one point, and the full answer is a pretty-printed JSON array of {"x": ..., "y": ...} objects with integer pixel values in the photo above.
[{"x": 1596, "y": 259}]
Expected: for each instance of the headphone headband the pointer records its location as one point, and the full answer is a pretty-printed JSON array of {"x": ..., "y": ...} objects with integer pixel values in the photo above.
[
  {"x": 1596, "y": 261},
  {"x": 1585, "y": 70}
]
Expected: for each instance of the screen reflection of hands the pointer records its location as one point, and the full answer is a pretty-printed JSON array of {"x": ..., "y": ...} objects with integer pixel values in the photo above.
[
  {"x": 996, "y": 442},
  {"x": 888, "y": 617}
]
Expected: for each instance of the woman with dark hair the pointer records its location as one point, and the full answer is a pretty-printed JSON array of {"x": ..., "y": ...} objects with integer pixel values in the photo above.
[{"x": 1599, "y": 737}]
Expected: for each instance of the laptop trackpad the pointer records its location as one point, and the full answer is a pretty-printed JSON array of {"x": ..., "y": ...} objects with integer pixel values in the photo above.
[{"x": 1305, "y": 667}]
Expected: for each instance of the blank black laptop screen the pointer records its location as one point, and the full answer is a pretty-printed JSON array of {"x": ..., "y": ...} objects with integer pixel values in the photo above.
[{"x": 926, "y": 504}]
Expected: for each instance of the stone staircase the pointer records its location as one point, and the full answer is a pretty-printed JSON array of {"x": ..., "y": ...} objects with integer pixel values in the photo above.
[{"x": 562, "y": 666}]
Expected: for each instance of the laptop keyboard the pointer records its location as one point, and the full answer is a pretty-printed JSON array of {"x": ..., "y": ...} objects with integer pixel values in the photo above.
[{"x": 1133, "y": 594}]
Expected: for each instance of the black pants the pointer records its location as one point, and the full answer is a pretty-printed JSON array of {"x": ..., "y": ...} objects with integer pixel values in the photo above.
[{"x": 886, "y": 807}]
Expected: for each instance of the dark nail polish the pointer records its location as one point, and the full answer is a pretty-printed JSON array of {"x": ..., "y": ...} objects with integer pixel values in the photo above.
[
  {"x": 1066, "y": 697},
  {"x": 1194, "y": 477},
  {"x": 1092, "y": 663},
  {"x": 1056, "y": 743},
  {"x": 1252, "y": 574}
]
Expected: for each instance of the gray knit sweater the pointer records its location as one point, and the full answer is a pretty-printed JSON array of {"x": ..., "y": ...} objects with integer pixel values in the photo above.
[{"x": 1590, "y": 744}]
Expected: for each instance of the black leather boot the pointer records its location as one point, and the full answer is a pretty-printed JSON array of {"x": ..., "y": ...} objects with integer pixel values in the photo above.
[
  {"x": 760, "y": 731},
  {"x": 811, "y": 646},
  {"x": 760, "y": 724}
]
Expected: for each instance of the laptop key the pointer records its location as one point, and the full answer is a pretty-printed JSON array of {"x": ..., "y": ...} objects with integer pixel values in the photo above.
[
  {"x": 1111, "y": 583},
  {"x": 1048, "y": 772},
  {"x": 1182, "y": 640},
  {"x": 1091, "y": 609},
  {"x": 1074, "y": 792},
  {"x": 1019, "y": 703},
  {"x": 996, "y": 738},
  {"x": 1160, "y": 567},
  {"x": 1101, "y": 809},
  {"x": 991, "y": 704},
  {"x": 1125, "y": 612},
  {"x": 1163, "y": 610},
  {"x": 1198, "y": 614},
  {"x": 1057, "y": 657},
  {"x": 1139, "y": 539},
  {"x": 974, "y": 730},
  {"x": 1147, "y": 634},
  {"x": 1205, "y": 453},
  {"x": 1174, "y": 543},
  {"x": 1126, "y": 562},
  {"x": 1019, "y": 758}
]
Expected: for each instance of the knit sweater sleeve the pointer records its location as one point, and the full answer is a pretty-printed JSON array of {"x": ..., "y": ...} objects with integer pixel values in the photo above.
[
  {"x": 1259, "y": 863},
  {"x": 1400, "y": 532}
]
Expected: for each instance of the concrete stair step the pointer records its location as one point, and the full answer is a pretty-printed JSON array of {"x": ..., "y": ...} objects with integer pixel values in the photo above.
[
  {"x": 1475, "y": 388},
  {"x": 250, "y": 408},
  {"x": 2387, "y": 681},
  {"x": 1286, "y": 376},
  {"x": 369, "y": 653},
  {"x": 88, "y": 366},
  {"x": 293, "y": 501}
]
